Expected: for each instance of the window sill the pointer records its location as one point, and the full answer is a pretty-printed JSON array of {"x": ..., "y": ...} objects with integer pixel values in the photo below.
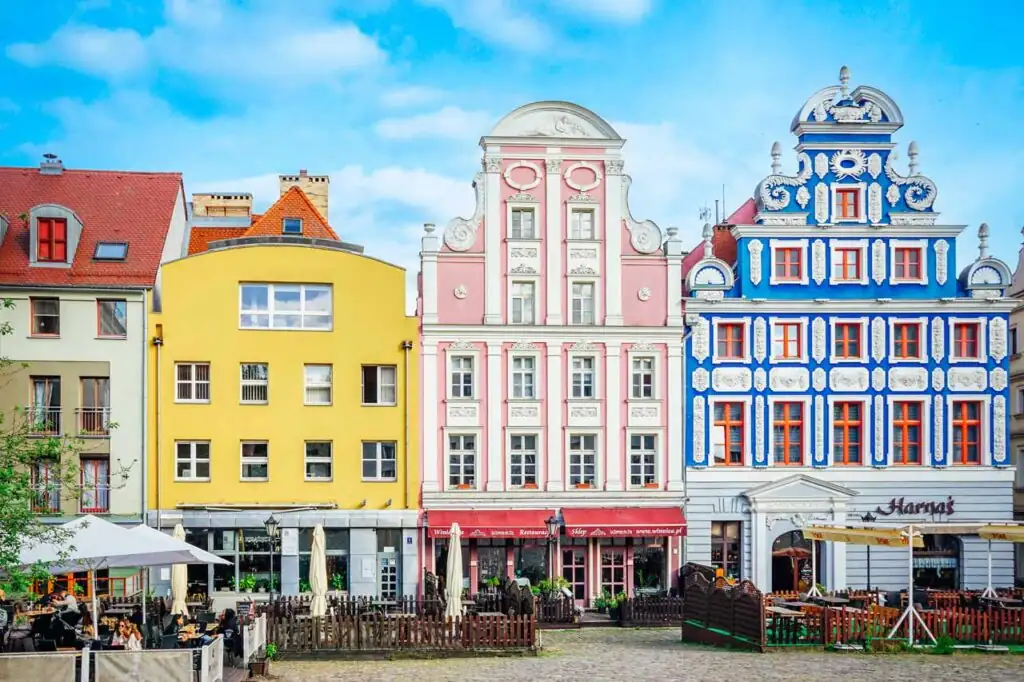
[
  {"x": 848, "y": 361},
  {"x": 254, "y": 480},
  {"x": 906, "y": 361},
  {"x": 100, "y": 337},
  {"x": 191, "y": 402},
  {"x": 460, "y": 489},
  {"x": 379, "y": 480},
  {"x": 644, "y": 401},
  {"x": 43, "y": 336},
  {"x": 378, "y": 404},
  {"x": 317, "y": 404},
  {"x": 253, "y": 402},
  {"x": 526, "y": 487},
  {"x": 191, "y": 480},
  {"x": 522, "y": 400},
  {"x": 574, "y": 399}
]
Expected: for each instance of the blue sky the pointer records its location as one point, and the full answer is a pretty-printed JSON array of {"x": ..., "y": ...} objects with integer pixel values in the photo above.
[{"x": 390, "y": 97}]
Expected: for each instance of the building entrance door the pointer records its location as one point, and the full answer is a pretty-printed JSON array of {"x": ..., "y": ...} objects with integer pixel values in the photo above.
[
  {"x": 613, "y": 569},
  {"x": 574, "y": 569}
]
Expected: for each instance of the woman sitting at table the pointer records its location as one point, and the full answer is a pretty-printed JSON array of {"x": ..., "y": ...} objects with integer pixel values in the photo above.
[
  {"x": 228, "y": 622},
  {"x": 128, "y": 636},
  {"x": 178, "y": 621}
]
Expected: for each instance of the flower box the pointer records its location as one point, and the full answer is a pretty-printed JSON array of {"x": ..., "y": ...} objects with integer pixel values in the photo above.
[
  {"x": 529, "y": 486},
  {"x": 463, "y": 486},
  {"x": 653, "y": 486},
  {"x": 584, "y": 485}
]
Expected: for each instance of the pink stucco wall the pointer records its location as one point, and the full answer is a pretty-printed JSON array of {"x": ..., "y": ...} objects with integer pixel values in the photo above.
[
  {"x": 646, "y": 274},
  {"x": 465, "y": 272}
]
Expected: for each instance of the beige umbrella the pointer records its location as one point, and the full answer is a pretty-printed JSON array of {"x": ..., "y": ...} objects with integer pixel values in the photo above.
[
  {"x": 453, "y": 574},
  {"x": 179, "y": 579},
  {"x": 318, "y": 573}
]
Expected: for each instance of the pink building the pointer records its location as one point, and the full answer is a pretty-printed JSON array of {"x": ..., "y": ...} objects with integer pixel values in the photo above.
[{"x": 552, "y": 367}]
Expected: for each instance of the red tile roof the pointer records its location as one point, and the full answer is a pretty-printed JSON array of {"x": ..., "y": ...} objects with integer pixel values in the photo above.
[
  {"x": 114, "y": 206},
  {"x": 744, "y": 215},
  {"x": 200, "y": 237},
  {"x": 723, "y": 247}
]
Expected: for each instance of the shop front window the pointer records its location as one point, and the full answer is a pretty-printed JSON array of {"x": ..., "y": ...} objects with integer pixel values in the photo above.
[
  {"x": 937, "y": 564},
  {"x": 254, "y": 558},
  {"x": 725, "y": 548},
  {"x": 574, "y": 569},
  {"x": 336, "y": 542},
  {"x": 648, "y": 565},
  {"x": 613, "y": 570},
  {"x": 490, "y": 560},
  {"x": 531, "y": 561},
  {"x": 441, "y": 563},
  {"x": 792, "y": 563}
]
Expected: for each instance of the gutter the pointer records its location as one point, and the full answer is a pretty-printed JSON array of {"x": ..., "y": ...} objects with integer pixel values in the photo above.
[
  {"x": 406, "y": 347},
  {"x": 158, "y": 342},
  {"x": 145, "y": 403}
]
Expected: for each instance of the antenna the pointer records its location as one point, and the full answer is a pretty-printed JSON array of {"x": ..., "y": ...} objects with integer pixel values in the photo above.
[
  {"x": 717, "y": 221},
  {"x": 723, "y": 202},
  {"x": 705, "y": 214}
]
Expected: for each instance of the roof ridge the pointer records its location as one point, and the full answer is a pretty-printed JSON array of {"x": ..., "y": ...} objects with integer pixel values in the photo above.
[
  {"x": 309, "y": 203},
  {"x": 76, "y": 171}
]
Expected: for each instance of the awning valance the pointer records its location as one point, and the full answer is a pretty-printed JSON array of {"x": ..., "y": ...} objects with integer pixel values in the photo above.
[
  {"x": 624, "y": 522},
  {"x": 1005, "y": 533},
  {"x": 489, "y": 523},
  {"x": 884, "y": 537}
]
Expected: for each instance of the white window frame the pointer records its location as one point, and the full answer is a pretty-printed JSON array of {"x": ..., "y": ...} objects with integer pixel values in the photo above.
[
  {"x": 532, "y": 374},
  {"x": 922, "y": 245},
  {"x": 516, "y": 433},
  {"x": 748, "y": 454},
  {"x": 593, "y": 302},
  {"x": 922, "y": 335},
  {"x": 380, "y": 384},
  {"x": 592, "y": 207},
  {"x": 306, "y": 384},
  {"x": 834, "y": 322},
  {"x": 927, "y": 446},
  {"x": 862, "y": 196},
  {"x": 805, "y": 265},
  {"x": 746, "y": 322},
  {"x": 474, "y": 356},
  {"x": 867, "y": 453},
  {"x": 194, "y": 383},
  {"x": 253, "y": 384},
  {"x": 307, "y": 460},
  {"x": 193, "y": 460},
  {"x": 378, "y": 460},
  {"x": 477, "y": 471},
  {"x": 640, "y": 356},
  {"x": 534, "y": 208},
  {"x": 597, "y": 458},
  {"x": 982, "y": 323},
  {"x": 986, "y": 428},
  {"x": 658, "y": 449},
  {"x": 572, "y": 372},
  {"x": 804, "y": 350},
  {"x": 526, "y": 319},
  {"x": 301, "y": 312},
  {"x": 808, "y": 435},
  {"x": 834, "y": 246},
  {"x": 243, "y": 461}
]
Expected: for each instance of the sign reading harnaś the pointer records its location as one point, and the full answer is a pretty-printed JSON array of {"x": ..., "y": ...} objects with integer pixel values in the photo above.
[{"x": 900, "y": 507}]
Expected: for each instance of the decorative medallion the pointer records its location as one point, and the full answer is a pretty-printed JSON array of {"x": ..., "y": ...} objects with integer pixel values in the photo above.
[
  {"x": 941, "y": 262},
  {"x": 821, "y": 165},
  {"x": 818, "y": 261},
  {"x": 938, "y": 339},
  {"x": 875, "y": 203},
  {"x": 698, "y": 430},
  {"x": 760, "y": 379},
  {"x": 848, "y": 163},
  {"x": 538, "y": 175},
  {"x": 582, "y": 186},
  {"x": 938, "y": 379},
  {"x": 699, "y": 379},
  {"x": 878, "y": 261},
  {"x": 997, "y": 379},
  {"x": 818, "y": 379},
  {"x": 803, "y": 197},
  {"x": 460, "y": 292},
  {"x": 644, "y": 293},
  {"x": 755, "y": 247},
  {"x": 874, "y": 165},
  {"x": 878, "y": 378},
  {"x": 821, "y": 203},
  {"x": 892, "y": 195}
]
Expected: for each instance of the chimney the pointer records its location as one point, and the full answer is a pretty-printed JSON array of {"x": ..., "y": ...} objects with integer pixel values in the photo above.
[
  {"x": 315, "y": 187},
  {"x": 51, "y": 165},
  {"x": 235, "y": 204}
]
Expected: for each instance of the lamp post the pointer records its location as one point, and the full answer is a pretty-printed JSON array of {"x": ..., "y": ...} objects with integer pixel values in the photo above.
[
  {"x": 272, "y": 526},
  {"x": 869, "y": 518},
  {"x": 553, "y": 526}
]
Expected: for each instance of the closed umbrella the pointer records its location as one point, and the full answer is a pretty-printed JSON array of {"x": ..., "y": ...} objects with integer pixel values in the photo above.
[
  {"x": 179, "y": 579},
  {"x": 453, "y": 573},
  {"x": 318, "y": 573}
]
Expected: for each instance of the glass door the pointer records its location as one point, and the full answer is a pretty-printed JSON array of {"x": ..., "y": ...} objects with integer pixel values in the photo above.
[
  {"x": 574, "y": 569},
  {"x": 388, "y": 577},
  {"x": 613, "y": 569}
]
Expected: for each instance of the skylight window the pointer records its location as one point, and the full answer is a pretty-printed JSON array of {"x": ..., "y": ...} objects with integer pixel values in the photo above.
[
  {"x": 111, "y": 251},
  {"x": 292, "y": 226}
]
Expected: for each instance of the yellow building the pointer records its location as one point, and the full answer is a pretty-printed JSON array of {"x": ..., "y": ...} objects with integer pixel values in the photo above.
[{"x": 284, "y": 382}]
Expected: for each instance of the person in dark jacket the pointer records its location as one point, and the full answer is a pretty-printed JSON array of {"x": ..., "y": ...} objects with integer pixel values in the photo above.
[{"x": 178, "y": 621}]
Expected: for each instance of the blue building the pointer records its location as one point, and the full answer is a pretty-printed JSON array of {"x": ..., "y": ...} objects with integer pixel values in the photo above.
[{"x": 837, "y": 365}]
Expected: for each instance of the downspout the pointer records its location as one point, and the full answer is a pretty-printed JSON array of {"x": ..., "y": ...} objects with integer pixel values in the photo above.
[
  {"x": 686, "y": 335},
  {"x": 406, "y": 347},
  {"x": 144, "y": 406},
  {"x": 158, "y": 342}
]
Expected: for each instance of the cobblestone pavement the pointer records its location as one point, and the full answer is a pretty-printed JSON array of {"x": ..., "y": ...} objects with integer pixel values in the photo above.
[{"x": 624, "y": 655}]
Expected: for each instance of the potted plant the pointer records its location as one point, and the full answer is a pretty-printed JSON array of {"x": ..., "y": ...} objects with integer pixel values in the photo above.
[
  {"x": 529, "y": 486},
  {"x": 260, "y": 665},
  {"x": 79, "y": 590},
  {"x": 600, "y": 603},
  {"x": 338, "y": 582},
  {"x": 248, "y": 583},
  {"x": 262, "y": 585},
  {"x": 615, "y": 605},
  {"x": 652, "y": 485},
  {"x": 304, "y": 586},
  {"x": 584, "y": 485},
  {"x": 463, "y": 486}
]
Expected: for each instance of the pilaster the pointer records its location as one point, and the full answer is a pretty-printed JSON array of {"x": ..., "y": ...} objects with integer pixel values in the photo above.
[
  {"x": 613, "y": 244},
  {"x": 674, "y": 407},
  {"x": 613, "y": 415},
  {"x": 431, "y": 404},
  {"x": 495, "y": 466},
  {"x": 553, "y": 240},
  {"x": 555, "y": 450},
  {"x": 492, "y": 240}
]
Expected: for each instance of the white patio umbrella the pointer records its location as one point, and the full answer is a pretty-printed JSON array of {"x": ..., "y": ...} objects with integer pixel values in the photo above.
[
  {"x": 453, "y": 573},
  {"x": 179, "y": 579},
  {"x": 318, "y": 573}
]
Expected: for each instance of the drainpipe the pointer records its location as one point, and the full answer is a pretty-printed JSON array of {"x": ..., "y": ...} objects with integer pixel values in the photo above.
[
  {"x": 145, "y": 403},
  {"x": 406, "y": 347},
  {"x": 686, "y": 335},
  {"x": 158, "y": 342}
]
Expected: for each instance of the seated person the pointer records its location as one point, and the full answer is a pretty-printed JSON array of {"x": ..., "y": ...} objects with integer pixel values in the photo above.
[
  {"x": 136, "y": 616},
  {"x": 65, "y": 601},
  {"x": 178, "y": 621},
  {"x": 228, "y": 622},
  {"x": 127, "y": 636}
]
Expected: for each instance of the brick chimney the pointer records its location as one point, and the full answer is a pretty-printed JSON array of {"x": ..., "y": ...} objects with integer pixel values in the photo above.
[
  {"x": 237, "y": 204},
  {"x": 315, "y": 187},
  {"x": 51, "y": 165}
]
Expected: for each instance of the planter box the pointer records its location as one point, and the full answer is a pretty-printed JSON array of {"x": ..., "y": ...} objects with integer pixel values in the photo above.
[{"x": 259, "y": 668}]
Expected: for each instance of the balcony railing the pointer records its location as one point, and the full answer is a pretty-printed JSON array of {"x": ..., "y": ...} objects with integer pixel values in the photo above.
[
  {"x": 95, "y": 499},
  {"x": 47, "y": 499},
  {"x": 93, "y": 421},
  {"x": 43, "y": 421}
]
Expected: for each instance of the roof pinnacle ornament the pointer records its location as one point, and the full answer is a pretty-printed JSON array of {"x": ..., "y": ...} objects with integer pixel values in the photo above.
[
  {"x": 983, "y": 241},
  {"x": 776, "y": 155},
  {"x": 708, "y": 235},
  {"x": 912, "y": 152},
  {"x": 844, "y": 82}
]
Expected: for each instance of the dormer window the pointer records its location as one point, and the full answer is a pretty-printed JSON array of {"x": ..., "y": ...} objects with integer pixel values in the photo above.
[
  {"x": 52, "y": 240},
  {"x": 848, "y": 204},
  {"x": 110, "y": 251},
  {"x": 292, "y": 226}
]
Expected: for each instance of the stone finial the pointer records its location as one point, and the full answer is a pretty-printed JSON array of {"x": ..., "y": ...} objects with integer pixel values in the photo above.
[
  {"x": 912, "y": 152},
  {"x": 983, "y": 241},
  {"x": 428, "y": 228},
  {"x": 708, "y": 234},
  {"x": 776, "y": 155},
  {"x": 844, "y": 81},
  {"x": 672, "y": 232}
]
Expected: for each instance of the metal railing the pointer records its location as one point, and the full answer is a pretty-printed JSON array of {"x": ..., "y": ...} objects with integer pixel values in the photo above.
[
  {"x": 43, "y": 421},
  {"x": 93, "y": 421},
  {"x": 95, "y": 499}
]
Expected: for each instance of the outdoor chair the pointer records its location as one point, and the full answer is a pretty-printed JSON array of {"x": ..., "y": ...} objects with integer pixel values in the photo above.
[
  {"x": 169, "y": 642},
  {"x": 46, "y": 645}
]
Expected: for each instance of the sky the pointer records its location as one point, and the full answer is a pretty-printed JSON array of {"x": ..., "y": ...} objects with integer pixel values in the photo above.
[{"x": 390, "y": 97}]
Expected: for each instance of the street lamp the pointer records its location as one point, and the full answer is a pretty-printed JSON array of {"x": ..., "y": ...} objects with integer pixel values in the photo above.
[
  {"x": 869, "y": 518},
  {"x": 272, "y": 526},
  {"x": 553, "y": 528}
]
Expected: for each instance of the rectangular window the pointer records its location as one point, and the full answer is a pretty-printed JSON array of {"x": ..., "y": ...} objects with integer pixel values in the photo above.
[
  {"x": 255, "y": 461},
  {"x": 319, "y": 463},
  {"x": 906, "y": 432},
  {"x": 317, "y": 382},
  {"x": 583, "y": 377},
  {"x": 967, "y": 432},
  {"x": 523, "y": 460},
  {"x": 192, "y": 460},
  {"x": 94, "y": 413},
  {"x": 848, "y": 204},
  {"x": 583, "y": 461},
  {"x": 730, "y": 341},
  {"x": 285, "y": 306},
  {"x": 965, "y": 340},
  {"x": 726, "y": 547},
  {"x": 522, "y": 224},
  {"x": 788, "y": 264},
  {"x": 523, "y": 377},
  {"x": 642, "y": 378},
  {"x": 191, "y": 382},
  {"x": 907, "y": 263},
  {"x": 45, "y": 316},
  {"x": 52, "y": 240},
  {"x": 379, "y": 461},
  {"x": 110, "y": 251},
  {"x": 379, "y": 385},
  {"x": 847, "y": 340},
  {"x": 522, "y": 303},
  {"x": 112, "y": 318},
  {"x": 728, "y": 438},
  {"x": 906, "y": 339},
  {"x": 846, "y": 265},
  {"x": 847, "y": 433},
  {"x": 1014, "y": 347},
  {"x": 46, "y": 487},
  {"x": 583, "y": 303},
  {"x": 1020, "y": 402},
  {"x": 462, "y": 376},
  {"x": 643, "y": 460},
  {"x": 461, "y": 461},
  {"x": 255, "y": 385},
  {"x": 788, "y": 433},
  {"x": 291, "y": 226},
  {"x": 787, "y": 341},
  {"x": 44, "y": 415},
  {"x": 582, "y": 226},
  {"x": 95, "y": 482}
]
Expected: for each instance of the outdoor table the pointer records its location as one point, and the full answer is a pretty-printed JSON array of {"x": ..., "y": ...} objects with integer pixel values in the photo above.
[
  {"x": 833, "y": 601},
  {"x": 39, "y": 612},
  {"x": 782, "y": 611},
  {"x": 492, "y": 613},
  {"x": 796, "y": 604}
]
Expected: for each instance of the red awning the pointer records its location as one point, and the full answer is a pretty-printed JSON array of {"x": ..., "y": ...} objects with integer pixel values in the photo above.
[
  {"x": 624, "y": 522},
  {"x": 490, "y": 523}
]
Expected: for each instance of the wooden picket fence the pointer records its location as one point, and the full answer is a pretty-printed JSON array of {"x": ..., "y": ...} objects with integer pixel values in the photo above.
[
  {"x": 962, "y": 625},
  {"x": 651, "y": 611}
]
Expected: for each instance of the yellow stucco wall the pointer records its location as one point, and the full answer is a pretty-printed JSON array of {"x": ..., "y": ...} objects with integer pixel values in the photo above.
[{"x": 199, "y": 322}]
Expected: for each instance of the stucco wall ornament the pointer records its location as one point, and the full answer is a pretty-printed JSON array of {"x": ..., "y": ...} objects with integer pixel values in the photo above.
[
  {"x": 524, "y": 252},
  {"x": 789, "y": 379},
  {"x": 760, "y": 342},
  {"x": 538, "y": 175},
  {"x": 581, "y": 198},
  {"x": 581, "y": 254},
  {"x": 941, "y": 261},
  {"x": 524, "y": 345},
  {"x": 821, "y": 165},
  {"x": 460, "y": 233},
  {"x": 997, "y": 379},
  {"x": 642, "y": 347},
  {"x": 760, "y": 379},
  {"x": 759, "y": 454},
  {"x": 997, "y": 338},
  {"x": 644, "y": 237},
  {"x": 492, "y": 164},
  {"x": 755, "y": 247},
  {"x": 967, "y": 379},
  {"x": 999, "y": 431},
  {"x": 920, "y": 191},
  {"x": 848, "y": 163},
  {"x": 553, "y": 165},
  {"x": 522, "y": 198},
  {"x": 460, "y": 292},
  {"x": 908, "y": 379},
  {"x": 698, "y": 430},
  {"x": 821, "y": 203},
  {"x": 614, "y": 166},
  {"x": 583, "y": 186},
  {"x": 878, "y": 261},
  {"x": 803, "y": 197},
  {"x": 523, "y": 269},
  {"x": 583, "y": 413},
  {"x": 644, "y": 294},
  {"x": 818, "y": 379},
  {"x": 772, "y": 191},
  {"x": 524, "y": 411},
  {"x": 462, "y": 345},
  {"x": 818, "y": 261},
  {"x": 818, "y": 339},
  {"x": 877, "y": 339},
  {"x": 583, "y": 270},
  {"x": 938, "y": 339},
  {"x": 879, "y": 434},
  {"x": 875, "y": 203},
  {"x": 583, "y": 346},
  {"x": 938, "y": 418},
  {"x": 878, "y": 378},
  {"x": 848, "y": 379},
  {"x": 892, "y": 195},
  {"x": 874, "y": 165},
  {"x": 938, "y": 379},
  {"x": 819, "y": 430},
  {"x": 791, "y": 219},
  {"x": 699, "y": 379},
  {"x": 701, "y": 344},
  {"x": 731, "y": 379}
]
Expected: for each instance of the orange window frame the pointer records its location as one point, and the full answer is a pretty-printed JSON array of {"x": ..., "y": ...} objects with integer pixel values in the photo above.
[
  {"x": 965, "y": 339},
  {"x": 787, "y": 423},
  {"x": 731, "y": 333},
  {"x": 789, "y": 264},
  {"x": 963, "y": 422},
  {"x": 51, "y": 240},
  {"x": 727, "y": 422},
  {"x": 905, "y": 346},
  {"x": 902, "y": 423},
  {"x": 847, "y": 341},
  {"x": 911, "y": 270},
  {"x": 846, "y": 425},
  {"x": 847, "y": 258},
  {"x": 848, "y": 202},
  {"x": 791, "y": 333}
]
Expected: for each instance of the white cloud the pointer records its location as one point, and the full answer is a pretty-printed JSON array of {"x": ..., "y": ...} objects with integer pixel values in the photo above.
[
  {"x": 410, "y": 96},
  {"x": 500, "y": 22},
  {"x": 97, "y": 51},
  {"x": 623, "y": 11},
  {"x": 448, "y": 123}
]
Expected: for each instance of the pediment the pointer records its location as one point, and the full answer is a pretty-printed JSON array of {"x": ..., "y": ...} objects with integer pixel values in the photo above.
[
  {"x": 558, "y": 120},
  {"x": 799, "y": 487}
]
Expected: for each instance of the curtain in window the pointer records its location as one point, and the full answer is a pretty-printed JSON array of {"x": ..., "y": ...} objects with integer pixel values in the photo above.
[{"x": 95, "y": 485}]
